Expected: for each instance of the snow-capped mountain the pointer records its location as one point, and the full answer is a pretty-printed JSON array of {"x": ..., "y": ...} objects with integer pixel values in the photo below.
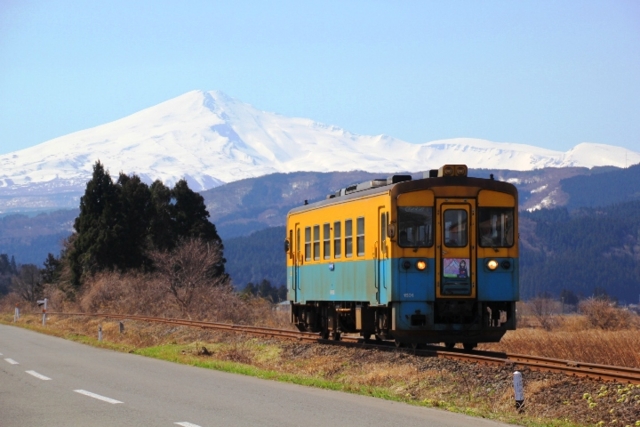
[{"x": 209, "y": 138}]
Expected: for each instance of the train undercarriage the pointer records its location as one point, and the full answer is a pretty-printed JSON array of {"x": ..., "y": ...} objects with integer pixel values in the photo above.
[{"x": 450, "y": 321}]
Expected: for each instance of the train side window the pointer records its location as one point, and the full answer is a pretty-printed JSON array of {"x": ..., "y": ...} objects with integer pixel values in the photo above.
[
  {"x": 360, "y": 236},
  {"x": 316, "y": 242},
  {"x": 495, "y": 227},
  {"x": 348, "y": 238},
  {"x": 307, "y": 243},
  {"x": 337, "y": 236},
  {"x": 415, "y": 226},
  {"x": 327, "y": 240},
  {"x": 455, "y": 228}
]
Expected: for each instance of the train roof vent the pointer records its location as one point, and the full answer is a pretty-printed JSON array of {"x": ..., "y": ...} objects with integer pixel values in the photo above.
[
  {"x": 398, "y": 178},
  {"x": 432, "y": 173},
  {"x": 351, "y": 189},
  {"x": 338, "y": 193},
  {"x": 374, "y": 183}
]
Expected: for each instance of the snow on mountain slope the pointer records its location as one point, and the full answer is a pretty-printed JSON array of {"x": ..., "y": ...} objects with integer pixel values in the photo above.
[
  {"x": 209, "y": 138},
  {"x": 604, "y": 155}
]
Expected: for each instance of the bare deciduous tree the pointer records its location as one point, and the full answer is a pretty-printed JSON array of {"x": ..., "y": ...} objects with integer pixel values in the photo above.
[
  {"x": 604, "y": 314},
  {"x": 28, "y": 283},
  {"x": 544, "y": 310},
  {"x": 190, "y": 271}
]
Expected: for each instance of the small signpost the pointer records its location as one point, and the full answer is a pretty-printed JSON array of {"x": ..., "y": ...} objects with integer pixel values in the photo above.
[
  {"x": 518, "y": 388},
  {"x": 16, "y": 315},
  {"x": 41, "y": 303}
]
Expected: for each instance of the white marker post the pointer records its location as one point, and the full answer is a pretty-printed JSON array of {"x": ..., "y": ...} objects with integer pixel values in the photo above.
[
  {"x": 99, "y": 332},
  {"x": 16, "y": 315},
  {"x": 518, "y": 388},
  {"x": 42, "y": 302}
]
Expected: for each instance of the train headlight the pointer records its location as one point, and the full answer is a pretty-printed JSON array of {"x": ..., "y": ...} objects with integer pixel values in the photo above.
[
  {"x": 461, "y": 170},
  {"x": 406, "y": 265},
  {"x": 492, "y": 264},
  {"x": 421, "y": 265},
  {"x": 506, "y": 264}
]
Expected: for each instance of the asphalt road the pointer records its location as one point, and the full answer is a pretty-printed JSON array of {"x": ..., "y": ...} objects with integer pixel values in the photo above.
[{"x": 48, "y": 381}]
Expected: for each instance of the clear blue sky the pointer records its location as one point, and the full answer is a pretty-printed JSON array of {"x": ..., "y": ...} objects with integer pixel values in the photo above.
[{"x": 542, "y": 72}]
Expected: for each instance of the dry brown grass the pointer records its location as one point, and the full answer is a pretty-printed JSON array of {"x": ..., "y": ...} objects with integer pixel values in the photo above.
[
  {"x": 139, "y": 294},
  {"x": 604, "y": 334},
  {"x": 620, "y": 348},
  {"x": 600, "y": 333}
]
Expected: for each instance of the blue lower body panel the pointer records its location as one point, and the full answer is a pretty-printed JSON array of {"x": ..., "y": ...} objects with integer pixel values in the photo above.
[
  {"x": 392, "y": 297},
  {"x": 500, "y": 284},
  {"x": 344, "y": 281}
]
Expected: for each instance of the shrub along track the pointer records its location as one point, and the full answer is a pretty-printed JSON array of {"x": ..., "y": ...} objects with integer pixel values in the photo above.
[{"x": 587, "y": 370}]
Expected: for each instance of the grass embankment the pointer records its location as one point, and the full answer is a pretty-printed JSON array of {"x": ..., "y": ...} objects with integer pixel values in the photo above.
[
  {"x": 552, "y": 400},
  {"x": 603, "y": 333},
  {"x": 618, "y": 348}
]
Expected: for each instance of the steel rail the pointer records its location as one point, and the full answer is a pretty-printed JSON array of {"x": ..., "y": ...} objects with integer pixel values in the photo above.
[
  {"x": 256, "y": 330},
  {"x": 538, "y": 363},
  {"x": 581, "y": 369}
]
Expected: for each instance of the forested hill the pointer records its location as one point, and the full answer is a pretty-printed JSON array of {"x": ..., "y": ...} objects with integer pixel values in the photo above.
[
  {"x": 259, "y": 256},
  {"x": 588, "y": 251},
  {"x": 602, "y": 187}
]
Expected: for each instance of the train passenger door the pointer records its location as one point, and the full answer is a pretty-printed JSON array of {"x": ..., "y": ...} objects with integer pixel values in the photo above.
[
  {"x": 382, "y": 254},
  {"x": 297, "y": 260},
  {"x": 455, "y": 254}
]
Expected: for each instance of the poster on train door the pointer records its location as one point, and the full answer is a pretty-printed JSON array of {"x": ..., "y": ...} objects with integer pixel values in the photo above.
[{"x": 456, "y": 268}]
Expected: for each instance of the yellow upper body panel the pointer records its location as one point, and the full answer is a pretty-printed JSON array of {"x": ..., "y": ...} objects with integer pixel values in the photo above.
[{"x": 354, "y": 213}]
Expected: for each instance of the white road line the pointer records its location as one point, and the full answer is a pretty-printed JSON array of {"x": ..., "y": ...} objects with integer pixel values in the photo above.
[
  {"x": 97, "y": 396},
  {"x": 37, "y": 375},
  {"x": 13, "y": 362},
  {"x": 187, "y": 424}
]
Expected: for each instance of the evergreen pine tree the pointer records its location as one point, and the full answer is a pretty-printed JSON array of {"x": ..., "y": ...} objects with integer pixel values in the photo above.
[
  {"x": 134, "y": 219},
  {"x": 51, "y": 270},
  {"x": 191, "y": 218},
  {"x": 96, "y": 245},
  {"x": 190, "y": 213},
  {"x": 162, "y": 234},
  {"x": 121, "y": 223}
]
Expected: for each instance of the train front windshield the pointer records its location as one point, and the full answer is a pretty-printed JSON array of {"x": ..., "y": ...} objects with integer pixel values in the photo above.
[
  {"x": 495, "y": 227},
  {"x": 415, "y": 226}
]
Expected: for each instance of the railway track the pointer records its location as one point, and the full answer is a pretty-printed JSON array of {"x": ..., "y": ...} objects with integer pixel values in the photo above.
[{"x": 545, "y": 364}]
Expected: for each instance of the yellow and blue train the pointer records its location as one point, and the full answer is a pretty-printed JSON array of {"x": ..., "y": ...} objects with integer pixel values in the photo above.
[{"x": 412, "y": 260}]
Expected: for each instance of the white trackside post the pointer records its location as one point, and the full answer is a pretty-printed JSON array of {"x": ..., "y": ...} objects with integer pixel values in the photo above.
[
  {"x": 518, "y": 388},
  {"x": 100, "y": 333},
  {"x": 44, "y": 310},
  {"x": 16, "y": 315}
]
